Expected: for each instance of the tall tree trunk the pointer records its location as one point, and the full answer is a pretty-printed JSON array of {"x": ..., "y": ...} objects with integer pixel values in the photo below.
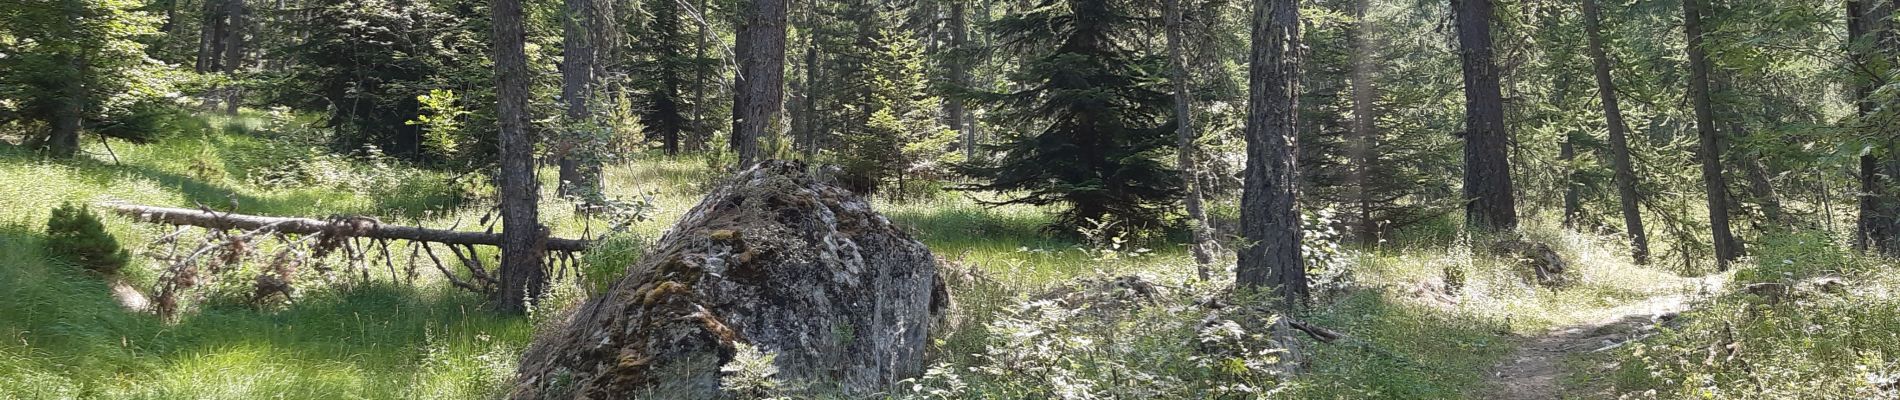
[
  {"x": 234, "y": 54},
  {"x": 523, "y": 239},
  {"x": 759, "y": 86},
  {"x": 1626, "y": 183},
  {"x": 1364, "y": 128},
  {"x": 1875, "y": 230},
  {"x": 210, "y": 37},
  {"x": 1711, "y": 140},
  {"x": 577, "y": 81},
  {"x": 1269, "y": 202},
  {"x": 69, "y": 114},
  {"x": 810, "y": 107},
  {"x": 701, "y": 131},
  {"x": 1491, "y": 203},
  {"x": 1759, "y": 186},
  {"x": 1573, "y": 196},
  {"x": 1184, "y": 145},
  {"x": 959, "y": 73}
]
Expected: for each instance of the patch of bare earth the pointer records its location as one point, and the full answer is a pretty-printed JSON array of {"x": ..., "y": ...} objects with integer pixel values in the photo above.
[{"x": 1536, "y": 369}]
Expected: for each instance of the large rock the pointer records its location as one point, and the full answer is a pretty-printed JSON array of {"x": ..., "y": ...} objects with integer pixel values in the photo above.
[{"x": 775, "y": 259}]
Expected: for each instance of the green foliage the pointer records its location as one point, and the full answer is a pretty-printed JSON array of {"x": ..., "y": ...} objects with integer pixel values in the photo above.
[
  {"x": 80, "y": 62},
  {"x": 367, "y": 64},
  {"x": 901, "y": 139},
  {"x": 1107, "y": 346},
  {"x": 441, "y": 121},
  {"x": 1823, "y": 326},
  {"x": 1094, "y": 122},
  {"x": 73, "y": 232}
]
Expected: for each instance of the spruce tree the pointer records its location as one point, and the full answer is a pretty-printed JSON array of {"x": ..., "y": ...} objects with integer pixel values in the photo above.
[
  {"x": 901, "y": 131},
  {"x": 1099, "y": 126}
]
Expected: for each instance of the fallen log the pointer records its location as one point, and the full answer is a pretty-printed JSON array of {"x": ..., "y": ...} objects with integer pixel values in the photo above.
[{"x": 348, "y": 226}]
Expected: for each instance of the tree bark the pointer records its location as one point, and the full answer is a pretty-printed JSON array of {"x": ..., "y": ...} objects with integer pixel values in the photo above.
[
  {"x": 701, "y": 131},
  {"x": 954, "y": 111},
  {"x": 305, "y": 226},
  {"x": 523, "y": 239},
  {"x": 1491, "y": 202},
  {"x": 210, "y": 37},
  {"x": 1269, "y": 203},
  {"x": 1364, "y": 128},
  {"x": 759, "y": 84},
  {"x": 1711, "y": 140},
  {"x": 1759, "y": 186},
  {"x": 1184, "y": 143},
  {"x": 234, "y": 54},
  {"x": 577, "y": 80},
  {"x": 1573, "y": 196},
  {"x": 1625, "y": 173},
  {"x": 69, "y": 113},
  {"x": 811, "y": 130},
  {"x": 1874, "y": 226}
]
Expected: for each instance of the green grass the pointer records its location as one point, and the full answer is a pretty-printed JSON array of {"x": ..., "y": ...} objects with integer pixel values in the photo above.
[
  {"x": 65, "y": 337},
  {"x": 1811, "y": 343},
  {"x": 62, "y": 335}
]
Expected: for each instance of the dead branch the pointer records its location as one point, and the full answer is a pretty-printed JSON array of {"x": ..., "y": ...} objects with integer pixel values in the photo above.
[{"x": 354, "y": 227}]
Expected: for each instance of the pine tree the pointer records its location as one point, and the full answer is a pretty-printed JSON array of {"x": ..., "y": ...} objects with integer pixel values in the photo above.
[
  {"x": 663, "y": 74},
  {"x": 1102, "y": 123},
  {"x": 1492, "y": 202},
  {"x": 901, "y": 132},
  {"x": 759, "y": 85},
  {"x": 523, "y": 238},
  {"x": 1269, "y": 204},
  {"x": 1711, "y": 140}
]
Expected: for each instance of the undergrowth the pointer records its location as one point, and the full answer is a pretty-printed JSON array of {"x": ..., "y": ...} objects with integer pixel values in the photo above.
[
  {"x": 62, "y": 335},
  {"x": 1804, "y": 319}
]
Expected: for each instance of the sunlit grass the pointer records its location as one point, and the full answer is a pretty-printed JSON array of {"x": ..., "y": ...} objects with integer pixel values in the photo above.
[{"x": 62, "y": 336}]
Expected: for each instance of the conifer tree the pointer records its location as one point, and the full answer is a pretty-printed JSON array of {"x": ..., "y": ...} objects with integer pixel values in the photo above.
[
  {"x": 1099, "y": 121},
  {"x": 900, "y": 131}
]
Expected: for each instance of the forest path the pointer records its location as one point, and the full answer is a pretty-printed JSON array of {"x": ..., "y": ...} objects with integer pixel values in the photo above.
[{"x": 1536, "y": 369}]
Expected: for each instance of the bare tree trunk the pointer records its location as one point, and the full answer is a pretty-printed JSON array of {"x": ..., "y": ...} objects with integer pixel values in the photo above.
[
  {"x": 305, "y": 226},
  {"x": 1269, "y": 203},
  {"x": 1184, "y": 144},
  {"x": 759, "y": 86},
  {"x": 811, "y": 129},
  {"x": 1626, "y": 183},
  {"x": 1711, "y": 140},
  {"x": 701, "y": 130},
  {"x": 1491, "y": 200},
  {"x": 1364, "y": 129},
  {"x": 1573, "y": 198},
  {"x": 523, "y": 239},
  {"x": 953, "y": 108},
  {"x": 1759, "y": 187},
  {"x": 69, "y": 114},
  {"x": 1875, "y": 230},
  {"x": 210, "y": 37},
  {"x": 234, "y": 54},
  {"x": 577, "y": 89}
]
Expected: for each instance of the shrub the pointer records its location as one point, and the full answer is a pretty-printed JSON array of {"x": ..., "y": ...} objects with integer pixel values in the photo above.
[{"x": 75, "y": 234}]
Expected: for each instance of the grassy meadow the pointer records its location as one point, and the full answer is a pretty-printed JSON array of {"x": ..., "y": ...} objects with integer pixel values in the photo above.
[{"x": 63, "y": 336}]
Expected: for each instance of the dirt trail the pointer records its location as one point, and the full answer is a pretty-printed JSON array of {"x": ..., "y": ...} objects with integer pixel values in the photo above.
[{"x": 1536, "y": 370}]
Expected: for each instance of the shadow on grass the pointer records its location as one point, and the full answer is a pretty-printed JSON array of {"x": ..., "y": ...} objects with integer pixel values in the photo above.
[
  {"x": 368, "y": 341},
  {"x": 1415, "y": 352},
  {"x": 955, "y": 229}
]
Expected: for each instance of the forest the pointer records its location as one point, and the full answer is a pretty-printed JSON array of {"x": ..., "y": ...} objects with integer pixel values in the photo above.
[{"x": 949, "y": 199}]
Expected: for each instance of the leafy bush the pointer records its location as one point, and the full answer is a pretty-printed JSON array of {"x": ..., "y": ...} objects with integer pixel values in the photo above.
[
  {"x": 1830, "y": 329},
  {"x": 1118, "y": 344},
  {"x": 74, "y": 232}
]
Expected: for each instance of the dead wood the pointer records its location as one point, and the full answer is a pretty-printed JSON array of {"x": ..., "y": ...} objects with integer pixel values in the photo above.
[{"x": 337, "y": 227}]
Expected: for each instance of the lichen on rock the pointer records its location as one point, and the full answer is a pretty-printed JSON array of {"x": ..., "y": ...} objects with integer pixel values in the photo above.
[{"x": 773, "y": 259}]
